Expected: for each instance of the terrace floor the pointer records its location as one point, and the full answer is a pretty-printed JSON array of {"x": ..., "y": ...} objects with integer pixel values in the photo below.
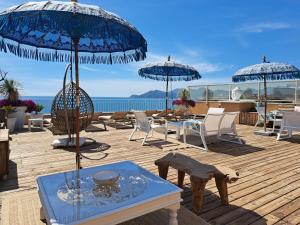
[{"x": 268, "y": 191}]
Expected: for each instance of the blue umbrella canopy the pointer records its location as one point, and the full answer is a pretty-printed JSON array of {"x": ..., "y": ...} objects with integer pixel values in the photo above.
[
  {"x": 31, "y": 29},
  {"x": 169, "y": 70},
  {"x": 53, "y": 30},
  {"x": 272, "y": 71},
  {"x": 267, "y": 71}
]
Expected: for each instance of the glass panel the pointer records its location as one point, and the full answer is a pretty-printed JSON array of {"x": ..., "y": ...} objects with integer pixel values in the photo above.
[
  {"x": 218, "y": 92},
  {"x": 198, "y": 93},
  {"x": 284, "y": 90},
  {"x": 249, "y": 90}
]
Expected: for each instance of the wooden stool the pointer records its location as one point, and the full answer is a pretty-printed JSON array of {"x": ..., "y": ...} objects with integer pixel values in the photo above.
[{"x": 200, "y": 174}]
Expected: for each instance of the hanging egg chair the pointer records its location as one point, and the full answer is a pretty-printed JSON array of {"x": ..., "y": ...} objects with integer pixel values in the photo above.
[{"x": 63, "y": 113}]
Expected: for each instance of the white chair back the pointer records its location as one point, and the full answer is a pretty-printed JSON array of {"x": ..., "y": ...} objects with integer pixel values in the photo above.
[
  {"x": 227, "y": 124},
  {"x": 212, "y": 123},
  {"x": 297, "y": 109},
  {"x": 291, "y": 120},
  {"x": 215, "y": 111},
  {"x": 141, "y": 121},
  {"x": 261, "y": 112}
]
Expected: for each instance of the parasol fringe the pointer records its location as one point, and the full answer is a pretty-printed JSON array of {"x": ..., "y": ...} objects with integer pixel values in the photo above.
[
  {"x": 40, "y": 54},
  {"x": 275, "y": 76}
]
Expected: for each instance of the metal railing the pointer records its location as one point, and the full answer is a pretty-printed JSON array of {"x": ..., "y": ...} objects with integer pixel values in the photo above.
[
  {"x": 107, "y": 104},
  {"x": 278, "y": 91}
]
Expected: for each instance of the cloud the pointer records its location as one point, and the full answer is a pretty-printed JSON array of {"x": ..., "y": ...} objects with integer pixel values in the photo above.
[{"x": 263, "y": 27}]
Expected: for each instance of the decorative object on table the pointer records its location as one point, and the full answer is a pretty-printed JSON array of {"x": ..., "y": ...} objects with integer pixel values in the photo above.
[
  {"x": 38, "y": 30},
  {"x": 184, "y": 102},
  {"x": 10, "y": 119},
  {"x": 169, "y": 71},
  {"x": 266, "y": 71},
  {"x": 236, "y": 94},
  {"x": 106, "y": 177}
]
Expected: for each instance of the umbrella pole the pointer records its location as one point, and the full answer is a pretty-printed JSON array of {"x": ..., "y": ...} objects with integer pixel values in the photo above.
[
  {"x": 266, "y": 94},
  {"x": 78, "y": 166},
  {"x": 167, "y": 96}
]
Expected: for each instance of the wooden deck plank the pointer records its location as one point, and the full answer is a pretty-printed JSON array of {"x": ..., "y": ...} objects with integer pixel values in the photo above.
[{"x": 268, "y": 170}]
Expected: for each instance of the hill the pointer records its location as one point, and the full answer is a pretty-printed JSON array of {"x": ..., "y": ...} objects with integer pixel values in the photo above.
[{"x": 157, "y": 94}]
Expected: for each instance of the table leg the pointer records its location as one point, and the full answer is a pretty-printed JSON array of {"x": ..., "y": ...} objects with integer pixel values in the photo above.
[
  {"x": 163, "y": 171},
  {"x": 29, "y": 125},
  {"x": 178, "y": 133},
  {"x": 180, "y": 178},
  {"x": 198, "y": 187},
  {"x": 42, "y": 124},
  {"x": 173, "y": 214},
  {"x": 222, "y": 188},
  {"x": 42, "y": 216}
]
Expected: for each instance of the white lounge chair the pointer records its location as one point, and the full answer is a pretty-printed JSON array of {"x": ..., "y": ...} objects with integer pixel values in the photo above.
[
  {"x": 290, "y": 122},
  {"x": 204, "y": 128},
  {"x": 211, "y": 110},
  {"x": 261, "y": 116},
  {"x": 143, "y": 124},
  {"x": 227, "y": 128},
  {"x": 297, "y": 109}
]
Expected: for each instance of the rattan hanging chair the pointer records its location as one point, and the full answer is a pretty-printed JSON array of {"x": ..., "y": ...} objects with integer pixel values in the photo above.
[{"x": 63, "y": 110}]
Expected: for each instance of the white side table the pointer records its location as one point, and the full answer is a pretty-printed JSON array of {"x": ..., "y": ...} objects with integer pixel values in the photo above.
[{"x": 40, "y": 121}]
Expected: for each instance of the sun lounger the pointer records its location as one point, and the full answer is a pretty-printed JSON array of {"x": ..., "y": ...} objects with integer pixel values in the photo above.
[{"x": 117, "y": 119}]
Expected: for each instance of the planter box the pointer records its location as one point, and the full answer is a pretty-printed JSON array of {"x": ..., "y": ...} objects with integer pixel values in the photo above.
[
  {"x": 248, "y": 118},
  {"x": 4, "y": 153},
  {"x": 20, "y": 115}
]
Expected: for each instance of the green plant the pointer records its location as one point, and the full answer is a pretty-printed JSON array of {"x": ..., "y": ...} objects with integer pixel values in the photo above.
[
  {"x": 184, "y": 94},
  {"x": 38, "y": 108},
  {"x": 10, "y": 90},
  {"x": 8, "y": 109}
]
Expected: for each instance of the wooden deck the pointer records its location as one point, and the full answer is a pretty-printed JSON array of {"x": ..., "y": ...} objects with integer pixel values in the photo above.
[{"x": 268, "y": 191}]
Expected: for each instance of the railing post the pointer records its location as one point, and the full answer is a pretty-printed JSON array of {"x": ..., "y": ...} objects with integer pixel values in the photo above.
[
  {"x": 229, "y": 94},
  {"x": 206, "y": 93},
  {"x": 296, "y": 91}
]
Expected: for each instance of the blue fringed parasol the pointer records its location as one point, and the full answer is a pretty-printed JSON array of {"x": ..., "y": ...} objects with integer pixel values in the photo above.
[
  {"x": 169, "y": 71},
  {"x": 31, "y": 29},
  {"x": 51, "y": 30},
  {"x": 267, "y": 71}
]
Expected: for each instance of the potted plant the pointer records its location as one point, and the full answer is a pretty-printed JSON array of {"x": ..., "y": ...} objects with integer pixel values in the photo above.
[
  {"x": 37, "y": 113},
  {"x": 11, "y": 121},
  {"x": 184, "y": 102},
  {"x": 10, "y": 90}
]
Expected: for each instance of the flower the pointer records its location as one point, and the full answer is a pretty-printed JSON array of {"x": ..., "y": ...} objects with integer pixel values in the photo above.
[
  {"x": 31, "y": 106},
  {"x": 184, "y": 102}
]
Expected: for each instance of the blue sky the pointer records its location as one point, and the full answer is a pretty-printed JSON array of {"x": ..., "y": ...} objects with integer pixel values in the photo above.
[{"x": 216, "y": 36}]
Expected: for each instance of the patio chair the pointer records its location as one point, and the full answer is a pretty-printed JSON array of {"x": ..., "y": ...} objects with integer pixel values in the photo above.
[
  {"x": 227, "y": 128},
  {"x": 211, "y": 110},
  {"x": 297, "y": 109},
  {"x": 204, "y": 128},
  {"x": 270, "y": 118},
  {"x": 143, "y": 124},
  {"x": 290, "y": 122},
  {"x": 116, "y": 119}
]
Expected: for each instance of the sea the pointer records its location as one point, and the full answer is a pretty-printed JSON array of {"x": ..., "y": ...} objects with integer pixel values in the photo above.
[{"x": 109, "y": 104}]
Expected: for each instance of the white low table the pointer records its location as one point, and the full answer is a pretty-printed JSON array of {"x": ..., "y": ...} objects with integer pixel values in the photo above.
[
  {"x": 178, "y": 126},
  {"x": 40, "y": 121},
  {"x": 148, "y": 193}
]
